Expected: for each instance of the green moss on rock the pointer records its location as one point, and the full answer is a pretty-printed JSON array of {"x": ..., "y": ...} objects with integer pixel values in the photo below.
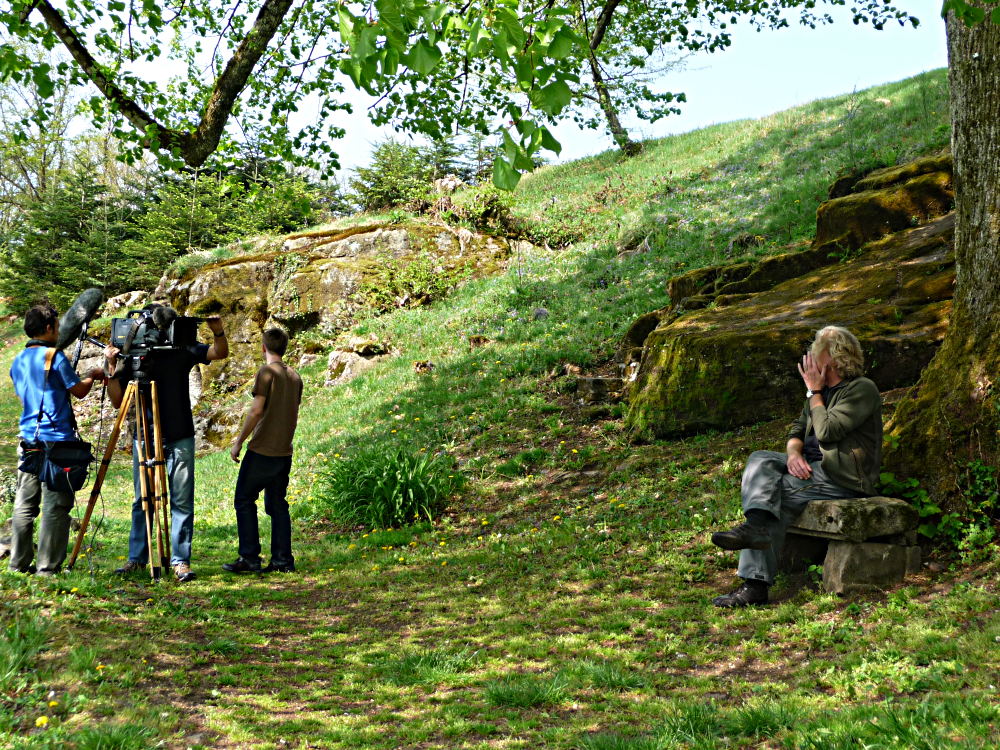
[{"x": 733, "y": 365}]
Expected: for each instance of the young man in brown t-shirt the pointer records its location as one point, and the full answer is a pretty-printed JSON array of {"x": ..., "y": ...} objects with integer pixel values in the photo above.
[{"x": 271, "y": 419}]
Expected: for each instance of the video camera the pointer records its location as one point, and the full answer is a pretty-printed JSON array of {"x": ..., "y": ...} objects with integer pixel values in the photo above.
[{"x": 143, "y": 336}]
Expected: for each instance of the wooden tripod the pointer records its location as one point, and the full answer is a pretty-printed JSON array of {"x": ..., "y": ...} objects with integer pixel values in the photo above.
[{"x": 152, "y": 475}]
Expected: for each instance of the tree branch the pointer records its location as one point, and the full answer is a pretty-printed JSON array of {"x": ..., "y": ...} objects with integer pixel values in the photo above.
[
  {"x": 602, "y": 23},
  {"x": 135, "y": 114},
  {"x": 234, "y": 77},
  {"x": 194, "y": 147}
]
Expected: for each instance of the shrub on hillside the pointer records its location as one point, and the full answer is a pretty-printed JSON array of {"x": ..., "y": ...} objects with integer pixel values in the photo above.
[
  {"x": 381, "y": 487},
  {"x": 398, "y": 174},
  {"x": 409, "y": 282}
]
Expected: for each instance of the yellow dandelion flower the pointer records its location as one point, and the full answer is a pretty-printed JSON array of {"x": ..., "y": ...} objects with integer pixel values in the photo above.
[
  {"x": 441, "y": 544},
  {"x": 53, "y": 704},
  {"x": 556, "y": 518},
  {"x": 73, "y": 590},
  {"x": 444, "y": 562},
  {"x": 351, "y": 546},
  {"x": 575, "y": 450},
  {"x": 41, "y": 721},
  {"x": 534, "y": 530},
  {"x": 485, "y": 522}
]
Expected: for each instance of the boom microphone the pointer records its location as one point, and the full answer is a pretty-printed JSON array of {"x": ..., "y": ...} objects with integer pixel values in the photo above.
[{"x": 72, "y": 323}]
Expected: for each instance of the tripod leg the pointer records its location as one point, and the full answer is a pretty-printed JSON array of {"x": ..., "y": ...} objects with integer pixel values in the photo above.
[
  {"x": 142, "y": 432},
  {"x": 161, "y": 471},
  {"x": 102, "y": 471}
]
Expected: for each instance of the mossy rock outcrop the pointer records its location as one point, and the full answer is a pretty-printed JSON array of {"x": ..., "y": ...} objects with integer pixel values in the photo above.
[
  {"x": 886, "y": 201},
  {"x": 310, "y": 283},
  {"x": 867, "y": 207},
  {"x": 733, "y": 365}
]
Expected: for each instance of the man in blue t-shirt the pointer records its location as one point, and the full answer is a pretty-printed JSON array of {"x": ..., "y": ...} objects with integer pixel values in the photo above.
[
  {"x": 47, "y": 416},
  {"x": 170, "y": 371}
]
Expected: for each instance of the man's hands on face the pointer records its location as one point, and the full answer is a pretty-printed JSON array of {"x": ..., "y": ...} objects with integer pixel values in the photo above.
[
  {"x": 798, "y": 467},
  {"x": 812, "y": 374}
]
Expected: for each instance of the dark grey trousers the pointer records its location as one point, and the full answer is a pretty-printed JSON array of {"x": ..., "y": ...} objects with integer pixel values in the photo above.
[
  {"x": 53, "y": 531},
  {"x": 768, "y": 486}
]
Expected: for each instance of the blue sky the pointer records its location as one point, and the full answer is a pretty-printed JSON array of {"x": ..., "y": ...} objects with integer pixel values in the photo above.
[{"x": 759, "y": 74}]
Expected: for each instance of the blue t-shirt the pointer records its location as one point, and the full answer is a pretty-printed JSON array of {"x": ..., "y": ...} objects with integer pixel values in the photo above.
[{"x": 28, "y": 374}]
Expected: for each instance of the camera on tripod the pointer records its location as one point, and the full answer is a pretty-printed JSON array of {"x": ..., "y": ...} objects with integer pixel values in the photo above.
[{"x": 143, "y": 336}]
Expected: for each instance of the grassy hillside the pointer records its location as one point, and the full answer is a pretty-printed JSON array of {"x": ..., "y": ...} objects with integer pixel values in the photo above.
[{"x": 563, "y": 601}]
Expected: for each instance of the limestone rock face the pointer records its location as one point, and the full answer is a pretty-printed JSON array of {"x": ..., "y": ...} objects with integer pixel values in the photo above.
[
  {"x": 310, "y": 283},
  {"x": 725, "y": 355}
]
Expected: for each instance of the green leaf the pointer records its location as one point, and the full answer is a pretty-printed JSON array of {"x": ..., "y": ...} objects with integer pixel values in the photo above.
[
  {"x": 501, "y": 46},
  {"x": 346, "y": 24},
  {"x": 390, "y": 61},
  {"x": 391, "y": 20},
  {"x": 995, "y": 16},
  {"x": 510, "y": 148},
  {"x": 549, "y": 142},
  {"x": 364, "y": 45},
  {"x": 552, "y": 98},
  {"x": 562, "y": 44},
  {"x": 510, "y": 24},
  {"x": 423, "y": 57},
  {"x": 505, "y": 176},
  {"x": 45, "y": 85}
]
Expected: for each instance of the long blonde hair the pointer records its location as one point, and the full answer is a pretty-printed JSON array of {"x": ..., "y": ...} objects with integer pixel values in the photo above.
[{"x": 844, "y": 348}]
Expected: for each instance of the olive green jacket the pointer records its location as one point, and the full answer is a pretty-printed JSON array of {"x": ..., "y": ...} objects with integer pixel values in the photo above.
[{"x": 849, "y": 430}]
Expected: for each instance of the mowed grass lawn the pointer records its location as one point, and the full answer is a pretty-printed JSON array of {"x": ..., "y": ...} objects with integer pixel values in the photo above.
[{"x": 563, "y": 600}]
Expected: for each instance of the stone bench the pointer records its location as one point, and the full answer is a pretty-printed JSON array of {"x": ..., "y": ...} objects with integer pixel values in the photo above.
[{"x": 863, "y": 543}]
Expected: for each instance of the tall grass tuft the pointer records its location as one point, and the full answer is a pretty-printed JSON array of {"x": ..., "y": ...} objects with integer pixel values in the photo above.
[
  {"x": 387, "y": 486},
  {"x": 527, "y": 691},
  {"x": 427, "y": 666},
  {"x": 611, "y": 741},
  {"x": 20, "y": 642},
  {"x": 109, "y": 737}
]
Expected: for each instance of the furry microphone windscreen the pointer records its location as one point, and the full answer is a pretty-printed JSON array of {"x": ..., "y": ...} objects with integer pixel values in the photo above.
[
  {"x": 163, "y": 316},
  {"x": 82, "y": 310}
]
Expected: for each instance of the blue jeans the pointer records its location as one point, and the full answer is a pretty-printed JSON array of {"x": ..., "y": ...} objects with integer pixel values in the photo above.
[
  {"x": 270, "y": 474},
  {"x": 179, "y": 456},
  {"x": 768, "y": 486}
]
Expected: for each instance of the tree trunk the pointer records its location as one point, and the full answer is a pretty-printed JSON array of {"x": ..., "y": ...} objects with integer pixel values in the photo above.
[
  {"x": 953, "y": 417},
  {"x": 615, "y": 127}
]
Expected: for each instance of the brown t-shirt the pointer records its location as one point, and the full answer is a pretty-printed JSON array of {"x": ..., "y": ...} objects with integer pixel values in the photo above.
[{"x": 281, "y": 386}]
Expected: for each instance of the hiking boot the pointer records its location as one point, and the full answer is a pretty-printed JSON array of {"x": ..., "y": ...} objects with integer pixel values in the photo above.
[
  {"x": 241, "y": 566},
  {"x": 130, "y": 567},
  {"x": 279, "y": 568},
  {"x": 184, "y": 573},
  {"x": 745, "y": 536},
  {"x": 749, "y": 594}
]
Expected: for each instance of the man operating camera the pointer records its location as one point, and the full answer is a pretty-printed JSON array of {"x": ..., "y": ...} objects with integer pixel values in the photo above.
[{"x": 169, "y": 366}]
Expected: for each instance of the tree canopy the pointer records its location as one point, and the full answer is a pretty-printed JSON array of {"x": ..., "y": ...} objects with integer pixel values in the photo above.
[{"x": 170, "y": 77}]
